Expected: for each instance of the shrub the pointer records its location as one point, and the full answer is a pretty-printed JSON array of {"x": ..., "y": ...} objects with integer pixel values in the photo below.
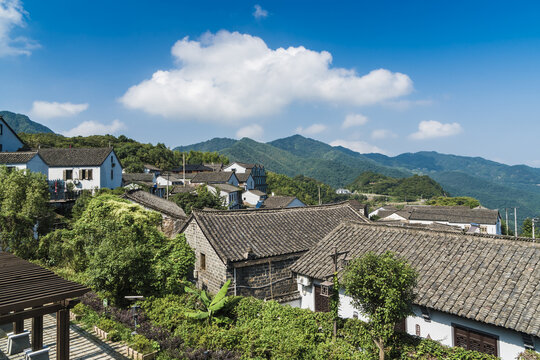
[
  {"x": 142, "y": 345},
  {"x": 80, "y": 309},
  {"x": 106, "y": 324}
]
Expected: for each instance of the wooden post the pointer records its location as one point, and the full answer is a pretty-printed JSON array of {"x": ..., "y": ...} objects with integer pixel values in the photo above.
[
  {"x": 18, "y": 326},
  {"x": 37, "y": 333},
  {"x": 62, "y": 334}
]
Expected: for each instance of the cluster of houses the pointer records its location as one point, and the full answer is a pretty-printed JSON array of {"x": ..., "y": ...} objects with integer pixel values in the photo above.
[{"x": 476, "y": 288}]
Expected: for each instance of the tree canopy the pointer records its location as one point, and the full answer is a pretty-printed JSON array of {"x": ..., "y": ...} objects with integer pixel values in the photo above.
[
  {"x": 382, "y": 287},
  {"x": 120, "y": 249},
  {"x": 132, "y": 154},
  {"x": 25, "y": 213},
  {"x": 454, "y": 201},
  {"x": 202, "y": 199}
]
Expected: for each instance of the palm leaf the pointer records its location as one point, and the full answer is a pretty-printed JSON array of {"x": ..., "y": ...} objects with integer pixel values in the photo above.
[{"x": 205, "y": 299}]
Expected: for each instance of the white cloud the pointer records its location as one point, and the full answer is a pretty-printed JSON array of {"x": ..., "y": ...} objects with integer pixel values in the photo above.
[
  {"x": 359, "y": 146},
  {"x": 47, "y": 110},
  {"x": 311, "y": 130},
  {"x": 87, "y": 128},
  {"x": 354, "y": 120},
  {"x": 251, "y": 131},
  {"x": 227, "y": 77},
  {"x": 434, "y": 129},
  {"x": 259, "y": 12},
  {"x": 382, "y": 134},
  {"x": 12, "y": 15}
]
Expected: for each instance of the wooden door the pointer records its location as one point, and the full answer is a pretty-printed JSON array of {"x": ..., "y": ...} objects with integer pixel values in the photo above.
[{"x": 322, "y": 303}]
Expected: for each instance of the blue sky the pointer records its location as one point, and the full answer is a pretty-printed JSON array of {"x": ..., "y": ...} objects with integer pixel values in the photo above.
[{"x": 387, "y": 76}]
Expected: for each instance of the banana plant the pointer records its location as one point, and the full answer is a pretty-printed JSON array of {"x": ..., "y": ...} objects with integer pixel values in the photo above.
[{"x": 211, "y": 306}]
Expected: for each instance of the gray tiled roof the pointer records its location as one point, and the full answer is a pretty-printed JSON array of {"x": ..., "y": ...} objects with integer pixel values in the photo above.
[
  {"x": 20, "y": 157},
  {"x": 491, "y": 279},
  {"x": 256, "y": 192},
  {"x": 138, "y": 177},
  {"x": 75, "y": 156},
  {"x": 278, "y": 202},
  {"x": 270, "y": 232},
  {"x": 212, "y": 177},
  {"x": 454, "y": 214},
  {"x": 242, "y": 177},
  {"x": 156, "y": 203},
  {"x": 227, "y": 188}
]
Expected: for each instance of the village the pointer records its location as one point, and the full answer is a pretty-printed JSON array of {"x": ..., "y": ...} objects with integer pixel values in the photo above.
[{"x": 477, "y": 289}]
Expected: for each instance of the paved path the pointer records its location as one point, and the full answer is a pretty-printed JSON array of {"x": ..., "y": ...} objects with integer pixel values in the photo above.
[{"x": 82, "y": 346}]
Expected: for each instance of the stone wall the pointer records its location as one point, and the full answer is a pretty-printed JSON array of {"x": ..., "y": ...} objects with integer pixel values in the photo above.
[
  {"x": 215, "y": 274},
  {"x": 255, "y": 280},
  {"x": 171, "y": 226}
]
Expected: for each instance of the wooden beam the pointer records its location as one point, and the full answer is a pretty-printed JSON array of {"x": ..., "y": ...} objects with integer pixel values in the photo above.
[
  {"x": 18, "y": 326},
  {"x": 39, "y": 311},
  {"x": 37, "y": 333}
]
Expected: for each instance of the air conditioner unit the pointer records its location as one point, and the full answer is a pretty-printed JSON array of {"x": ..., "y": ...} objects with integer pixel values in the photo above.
[
  {"x": 76, "y": 181},
  {"x": 195, "y": 274},
  {"x": 303, "y": 280}
]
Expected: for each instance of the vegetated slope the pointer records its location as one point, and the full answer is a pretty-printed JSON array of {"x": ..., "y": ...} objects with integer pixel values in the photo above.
[
  {"x": 492, "y": 195},
  {"x": 431, "y": 161},
  {"x": 414, "y": 187},
  {"x": 297, "y": 155},
  {"x": 132, "y": 154},
  {"x": 22, "y": 124}
]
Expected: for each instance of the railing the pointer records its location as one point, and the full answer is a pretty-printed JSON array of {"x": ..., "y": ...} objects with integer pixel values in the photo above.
[{"x": 59, "y": 190}]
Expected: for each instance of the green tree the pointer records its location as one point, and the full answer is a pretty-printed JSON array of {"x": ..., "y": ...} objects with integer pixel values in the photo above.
[
  {"x": 505, "y": 228},
  {"x": 25, "y": 213},
  {"x": 382, "y": 286},
  {"x": 454, "y": 201},
  {"x": 526, "y": 229}
]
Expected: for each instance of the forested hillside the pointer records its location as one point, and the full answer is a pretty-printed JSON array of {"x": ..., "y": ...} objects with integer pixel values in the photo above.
[
  {"x": 22, "y": 123},
  {"x": 411, "y": 188},
  {"x": 133, "y": 154}
]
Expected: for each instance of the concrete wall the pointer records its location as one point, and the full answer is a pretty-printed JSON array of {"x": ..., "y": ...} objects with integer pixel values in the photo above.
[
  {"x": 510, "y": 342},
  {"x": 250, "y": 198},
  {"x": 106, "y": 167},
  {"x": 36, "y": 164},
  {"x": 215, "y": 274},
  {"x": 8, "y": 139},
  {"x": 494, "y": 229},
  {"x": 57, "y": 173}
]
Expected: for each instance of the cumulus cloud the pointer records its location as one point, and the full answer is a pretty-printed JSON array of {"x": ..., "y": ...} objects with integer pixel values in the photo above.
[
  {"x": 87, "y": 128},
  {"x": 434, "y": 129},
  {"x": 311, "y": 130},
  {"x": 354, "y": 120},
  {"x": 12, "y": 15},
  {"x": 382, "y": 134},
  {"x": 359, "y": 146},
  {"x": 251, "y": 131},
  {"x": 227, "y": 77},
  {"x": 259, "y": 12},
  {"x": 48, "y": 110},
  {"x": 407, "y": 104}
]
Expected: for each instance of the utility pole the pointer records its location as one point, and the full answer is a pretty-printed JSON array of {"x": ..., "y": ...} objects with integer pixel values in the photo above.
[
  {"x": 168, "y": 174},
  {"x": 334, "y": 257},
  {"x": 533, "y": 220},
  {"x": 320, "y": 195},
  {"x": 506, "y": 210},
  {"x": 515, "y": 222},
  {"x": 184, "y": 169}
]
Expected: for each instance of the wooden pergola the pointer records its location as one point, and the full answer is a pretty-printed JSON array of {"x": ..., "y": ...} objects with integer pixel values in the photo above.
[{"x": 28, "y": 291}]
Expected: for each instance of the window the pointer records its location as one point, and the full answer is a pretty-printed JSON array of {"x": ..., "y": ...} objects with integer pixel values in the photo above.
[
  {"x": 68, "y": 174},
  {"x": 322, "y": 303},
  {"x": 474, "y": 340},
  {"x": 0, "y": 147},
  {"x": 112, "y": 175},
  {"x": 1, "y": 129},
  {"x": 202, "y": 264},
  {"x": 85, "y": 174}
]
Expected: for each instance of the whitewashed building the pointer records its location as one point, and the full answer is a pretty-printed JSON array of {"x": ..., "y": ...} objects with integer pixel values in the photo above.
[
  {"x": 257, "y": 172},
  {"x": 253, "y": 197},
  {"x": 24, "y": 160},
  {"x": 480, "y": 292},
  {"x": 9, "y": 140},
  {"x": 231, "y": 195},
  {"x": 480, "y": 220},
  {"x": 85, "y": 168}
]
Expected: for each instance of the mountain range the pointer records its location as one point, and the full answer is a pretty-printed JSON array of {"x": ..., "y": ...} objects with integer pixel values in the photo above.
[
  {"x": 496, "y": 185},
  {"x": 22, "y": 124}
]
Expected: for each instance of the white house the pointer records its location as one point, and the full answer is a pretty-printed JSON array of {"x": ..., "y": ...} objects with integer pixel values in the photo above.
[
  {"x": 342, "y": 191},
  {"x": 383, "y": 211},
  {"x": 476, "y": 291},
  {"x": 253, "y": 197},
  {"x": 257, "y": 171},
  {"x": 86, "y": 168},
  {"x": 479, "y": 219},
  {"x": 230, "y": 194},
  {"x": 9, "y": 140},
  {"x": 21, "y": 160},
  {"x": 246, "y": 181},
  {"x": 169, "y": 179}
]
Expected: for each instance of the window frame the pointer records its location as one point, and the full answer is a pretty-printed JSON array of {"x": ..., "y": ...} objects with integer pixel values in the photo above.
[
  {"x": 202, "y": 261},
  {"x": 475, "y": 332}
]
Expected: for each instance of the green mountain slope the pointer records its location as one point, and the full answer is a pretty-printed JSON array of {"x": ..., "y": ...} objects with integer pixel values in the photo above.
[
  {"x": 22, "y": 124},
  {"x": 297, "y": 155}
]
